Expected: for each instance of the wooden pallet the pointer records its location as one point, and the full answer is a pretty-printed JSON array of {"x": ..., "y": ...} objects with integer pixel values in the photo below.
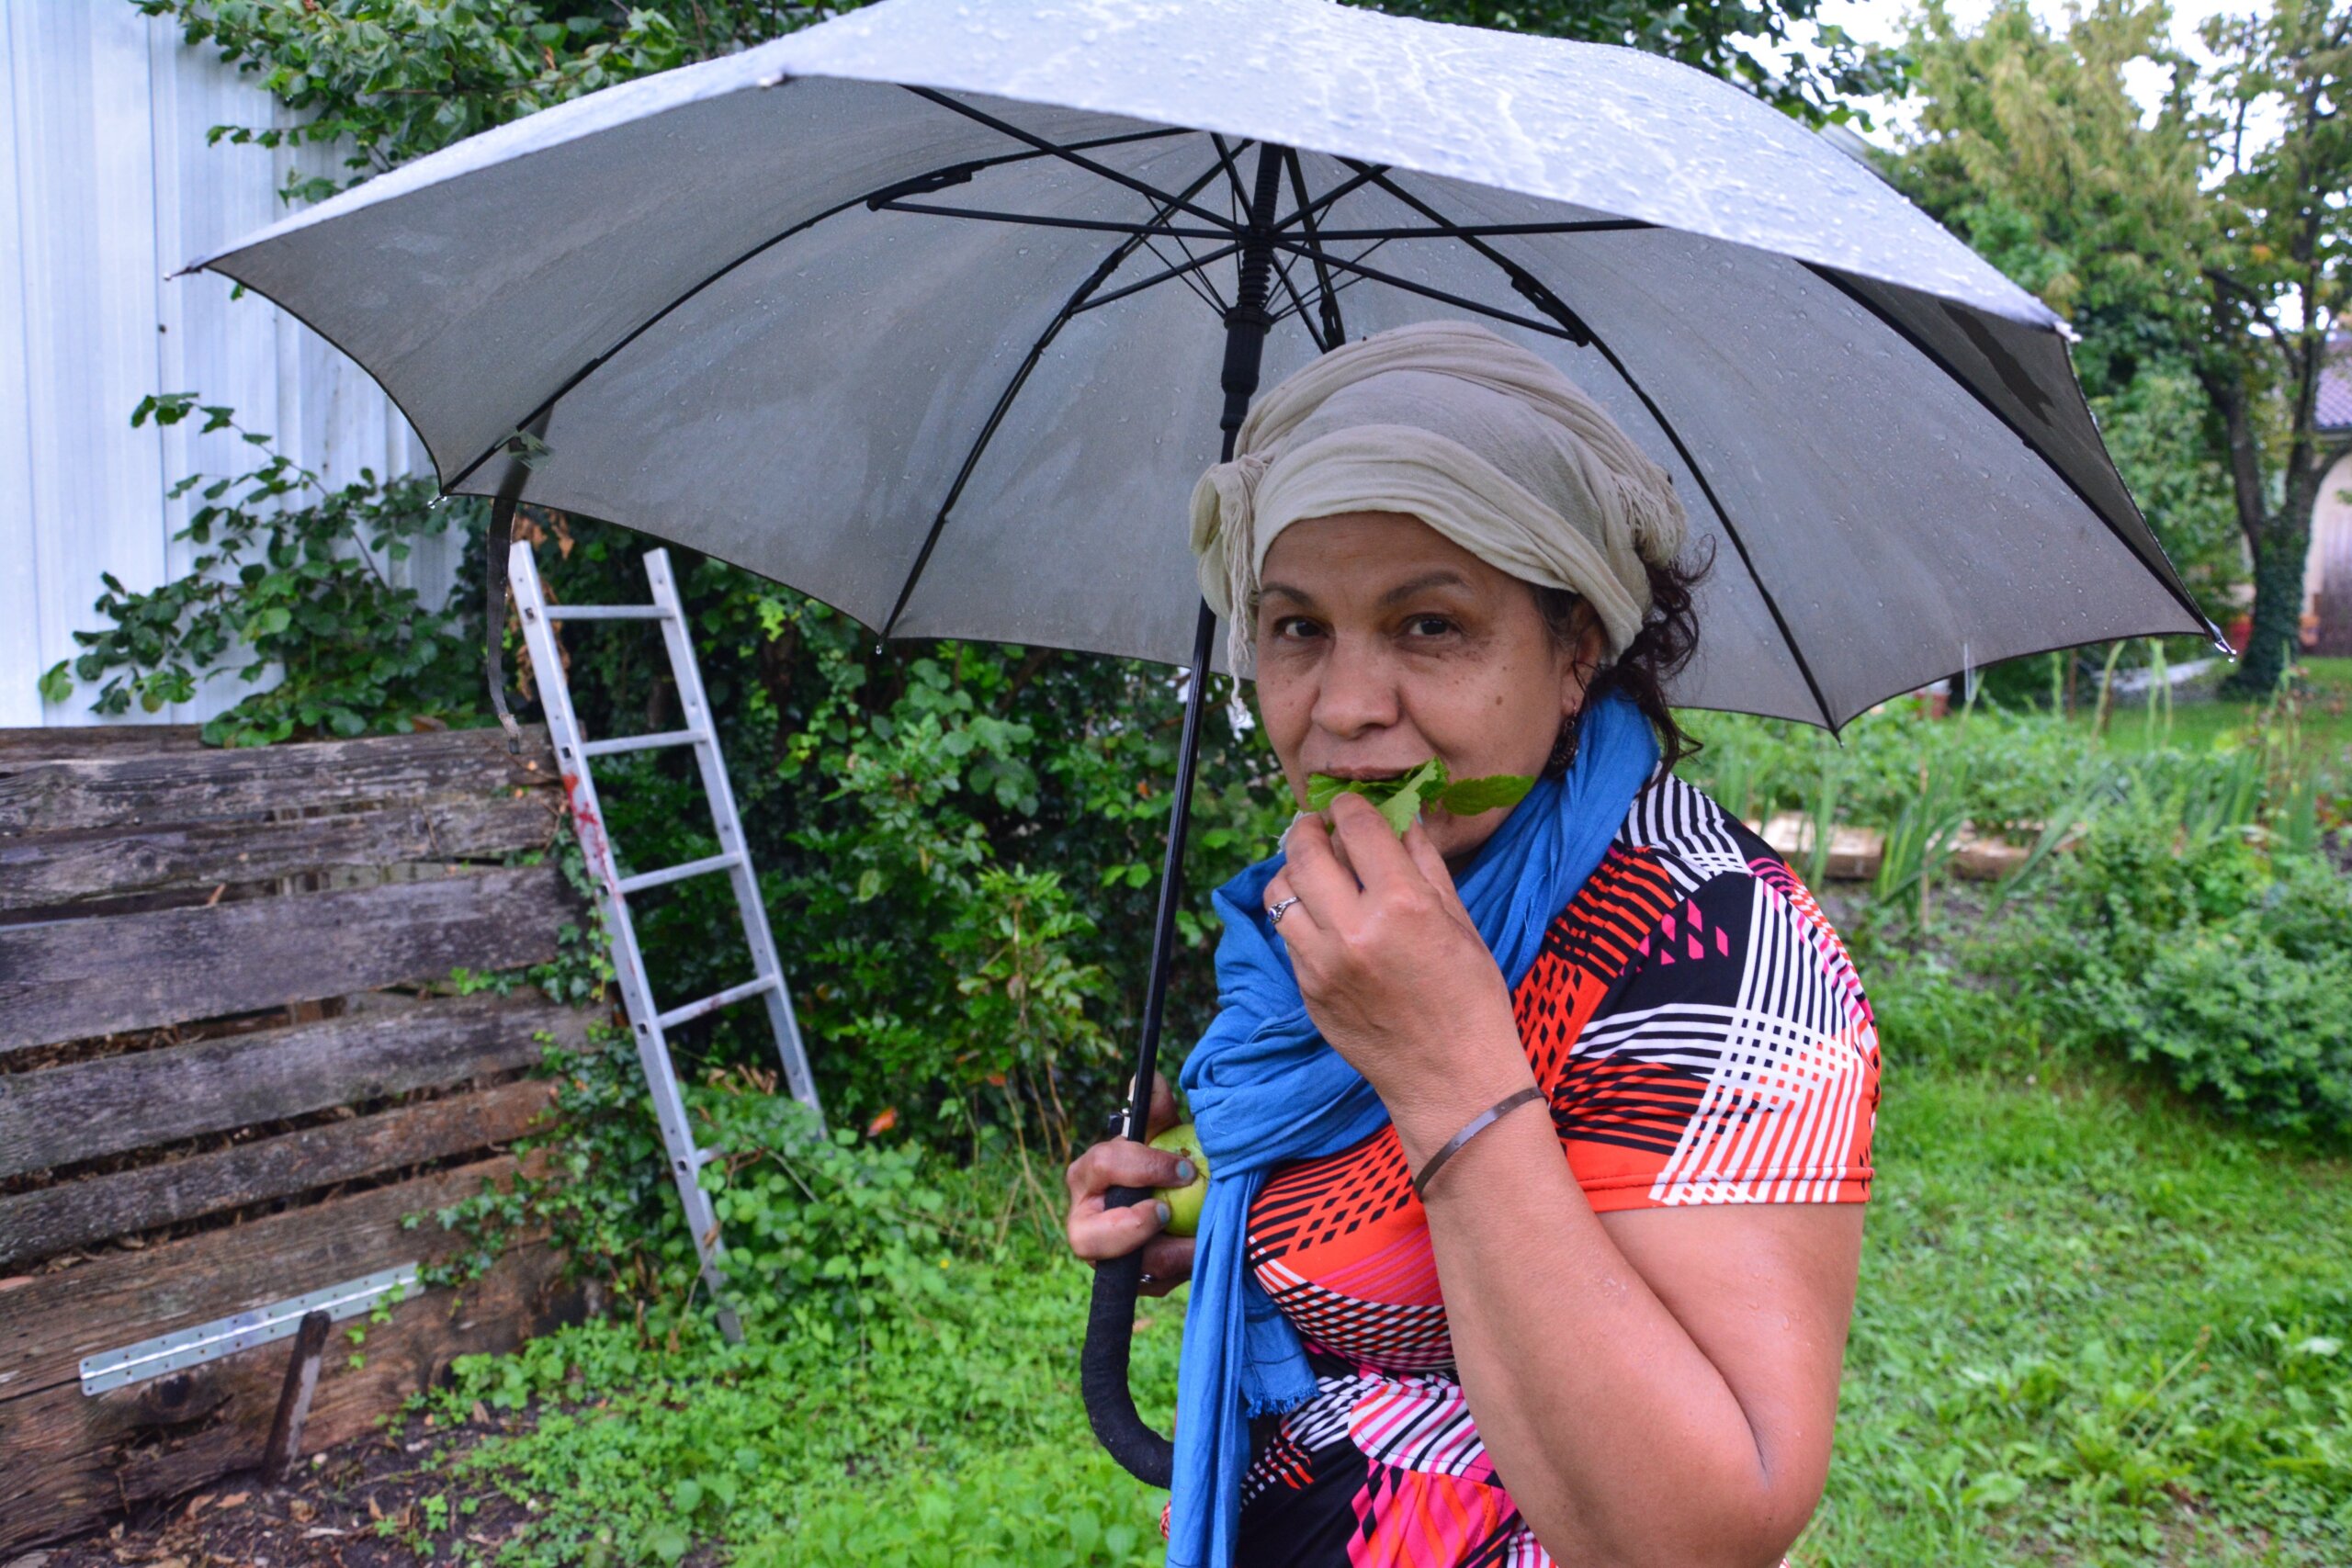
[{"x": 229, "y": 1072}]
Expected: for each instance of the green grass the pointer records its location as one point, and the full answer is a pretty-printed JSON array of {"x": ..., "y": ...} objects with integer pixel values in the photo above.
[
  {"x": 2094, "y": 1327},
  {"x": 2091, "y": 1330},
  {"x": 2201, "y": 722}
]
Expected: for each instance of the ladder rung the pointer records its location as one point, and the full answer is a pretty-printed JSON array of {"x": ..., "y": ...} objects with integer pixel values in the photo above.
[
  {"x": 678, "y": 873},
  {"x": 639, "y": 743},
  {"x": 692, "y": 1010},
  {"x": 606, "y": 612}
]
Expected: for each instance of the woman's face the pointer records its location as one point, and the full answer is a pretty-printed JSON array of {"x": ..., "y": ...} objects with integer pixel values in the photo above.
[{"x": 1382, "y": 643}]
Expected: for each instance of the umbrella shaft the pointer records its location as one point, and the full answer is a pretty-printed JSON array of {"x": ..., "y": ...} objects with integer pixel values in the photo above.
[
  {"x": 1245, "y": 346},
  {"x": 1247, "y": 322}
]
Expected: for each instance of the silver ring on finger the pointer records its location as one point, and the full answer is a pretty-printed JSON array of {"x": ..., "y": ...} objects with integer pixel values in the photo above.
[{"x": 1274, "y": 916}]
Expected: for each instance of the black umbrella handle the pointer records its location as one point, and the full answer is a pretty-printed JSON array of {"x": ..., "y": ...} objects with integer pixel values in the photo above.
[
  {"x": 1119, "y": 1426},
  {"x": 1111, "y": 1317}
]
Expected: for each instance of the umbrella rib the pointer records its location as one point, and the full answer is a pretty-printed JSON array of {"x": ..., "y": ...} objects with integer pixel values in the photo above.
[
  {"x": 965, "y": 170},
  {"x": 1482, "y": 230},
  {"x": 1041, "y": 221},
  {"x": 1071, "y": 307},
  {"x": 1332, "y": 329},
  {"x": 1069, "y": 155},
  {"x": 1169, "y": 231},
  {"x": 1330, "y": 199},
  {"x": 1926, "y": 351},
  {"x": 1099, "y": 300},
  {"x": 1689, "y": 460},
  {"x": 1189, "y": 275},
  {"x": 1346, "y": 264},
  {"x": 1298, "y": 304}
]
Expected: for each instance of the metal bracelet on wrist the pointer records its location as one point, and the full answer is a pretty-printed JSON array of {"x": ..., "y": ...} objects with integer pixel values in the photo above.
[{"x": 1476, "y": 1125}]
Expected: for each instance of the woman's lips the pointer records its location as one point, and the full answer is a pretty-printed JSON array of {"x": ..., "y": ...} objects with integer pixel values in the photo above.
[{"x": 1368, "y": 775}]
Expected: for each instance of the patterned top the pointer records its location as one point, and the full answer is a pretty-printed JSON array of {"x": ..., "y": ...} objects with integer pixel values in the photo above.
[{"x": 1702, "y": 1039}]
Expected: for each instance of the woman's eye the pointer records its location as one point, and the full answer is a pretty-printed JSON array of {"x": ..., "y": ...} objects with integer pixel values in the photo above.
[
  {"x": 1430, "y": 625},
  {"x": 1294, "y": 626}
]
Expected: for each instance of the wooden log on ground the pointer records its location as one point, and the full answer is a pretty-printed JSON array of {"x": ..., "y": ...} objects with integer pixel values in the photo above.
[
  {"x": 75, "y": 979},
  {"x": 1855, "y": 854},
  {"x": 49, "y": 1220},
  {"x": 68, "y": 1460},
  {"x": 61, "y": 1115},
  {"x": 44, "y": 869},
  {"x": 49, "y": 1322},
  {"x": 179, "y": 787},
  {"x": 1986, "y": 860}
]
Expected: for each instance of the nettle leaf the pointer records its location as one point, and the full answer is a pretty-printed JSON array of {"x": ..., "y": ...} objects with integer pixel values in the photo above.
[
  {"x": 1400, "y": 799},
  {"x": 1468, "y": 797}
]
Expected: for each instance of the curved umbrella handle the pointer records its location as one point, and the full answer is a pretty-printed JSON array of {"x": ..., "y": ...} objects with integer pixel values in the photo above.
[{"x": 1103, "y": 1368}]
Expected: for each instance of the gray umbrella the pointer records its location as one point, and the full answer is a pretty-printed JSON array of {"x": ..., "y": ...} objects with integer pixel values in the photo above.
[{"x": 934, "y": 311}]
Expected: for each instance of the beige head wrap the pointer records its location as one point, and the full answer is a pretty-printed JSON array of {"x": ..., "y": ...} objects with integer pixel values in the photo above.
[{"x": 1480, "y": 439}]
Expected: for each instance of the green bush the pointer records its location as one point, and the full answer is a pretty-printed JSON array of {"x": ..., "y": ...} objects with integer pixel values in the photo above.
[
  {"x": 2222, "y": 963},
  {"x": 286, "y": 589},
  {"x": 2228, "y": 1011}
]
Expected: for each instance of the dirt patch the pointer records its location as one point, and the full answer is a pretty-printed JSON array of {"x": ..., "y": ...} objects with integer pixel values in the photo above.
[{"x": 383, "y": 1500}]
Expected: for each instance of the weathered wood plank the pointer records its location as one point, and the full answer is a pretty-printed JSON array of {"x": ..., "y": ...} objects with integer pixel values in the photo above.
[
  {"x": 50, "y": 1321},
  {"x": 74, "y": 979},
  {"x": 93, "y": 1108},
  {"x": 43, "y": 869},
  {"x": 67, "y": 1461},
  {"x": 60, "y": 742},
  {"x": 49, "y": 1220},
  {"x": 178, "y": 788}
]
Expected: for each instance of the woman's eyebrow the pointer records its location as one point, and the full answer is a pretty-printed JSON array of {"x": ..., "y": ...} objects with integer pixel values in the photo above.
[{"x": 1442, "y": 577}]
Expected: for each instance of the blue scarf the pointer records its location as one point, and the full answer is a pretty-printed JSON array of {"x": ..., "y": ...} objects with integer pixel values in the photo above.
[{"x": 1265, "y": 1090}]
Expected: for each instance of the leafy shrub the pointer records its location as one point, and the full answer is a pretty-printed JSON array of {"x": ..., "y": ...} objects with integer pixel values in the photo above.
[
  {"x": 285, "y": 582},
  {"x": 2226, "y": 966},
  {"x": 2228, "y": 1010}
]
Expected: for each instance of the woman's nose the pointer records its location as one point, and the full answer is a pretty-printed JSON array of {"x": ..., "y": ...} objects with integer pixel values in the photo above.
[{"x": 1357, "y": 693}]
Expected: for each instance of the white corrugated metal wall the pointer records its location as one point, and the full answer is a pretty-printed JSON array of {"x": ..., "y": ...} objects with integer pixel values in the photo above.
[{"x": 106, "y": 185}]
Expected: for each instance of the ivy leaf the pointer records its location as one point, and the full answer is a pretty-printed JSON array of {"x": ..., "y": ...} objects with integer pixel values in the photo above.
[{"x": 57, "y": 684}]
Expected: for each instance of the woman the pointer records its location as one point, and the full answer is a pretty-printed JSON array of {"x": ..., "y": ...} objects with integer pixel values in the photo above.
[{"x": 1429, "y": 1324}]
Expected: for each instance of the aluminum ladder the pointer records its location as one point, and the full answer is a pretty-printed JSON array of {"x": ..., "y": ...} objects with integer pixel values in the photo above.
[{"x": 648, "y": 1022}]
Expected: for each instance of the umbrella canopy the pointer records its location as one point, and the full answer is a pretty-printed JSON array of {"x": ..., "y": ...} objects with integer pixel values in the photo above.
[{"x": 923, "y": 310}]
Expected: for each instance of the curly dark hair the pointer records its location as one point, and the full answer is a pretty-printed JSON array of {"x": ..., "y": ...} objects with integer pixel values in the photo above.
[{"x": 1669, "y": 634}]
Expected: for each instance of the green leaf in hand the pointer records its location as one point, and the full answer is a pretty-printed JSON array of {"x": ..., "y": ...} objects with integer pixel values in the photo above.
[
  {"x": 1400, "y": 799},
  {"x": 1468, "y": 797}
]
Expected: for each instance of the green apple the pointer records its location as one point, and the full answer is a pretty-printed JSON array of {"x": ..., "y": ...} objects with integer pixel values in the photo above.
[{"x": 1183, "y": 1203}]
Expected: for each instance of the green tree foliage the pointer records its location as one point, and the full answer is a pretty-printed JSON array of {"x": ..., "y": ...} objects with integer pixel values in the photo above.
[
  {"x": 2275, "y": 285},
  {"x": 2198, "y": 248},
  {"x": 2030, "y": 147}
]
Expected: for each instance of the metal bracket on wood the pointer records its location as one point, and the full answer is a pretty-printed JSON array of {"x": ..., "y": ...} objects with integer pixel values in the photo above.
[{"x": 241, "y": 1331}]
